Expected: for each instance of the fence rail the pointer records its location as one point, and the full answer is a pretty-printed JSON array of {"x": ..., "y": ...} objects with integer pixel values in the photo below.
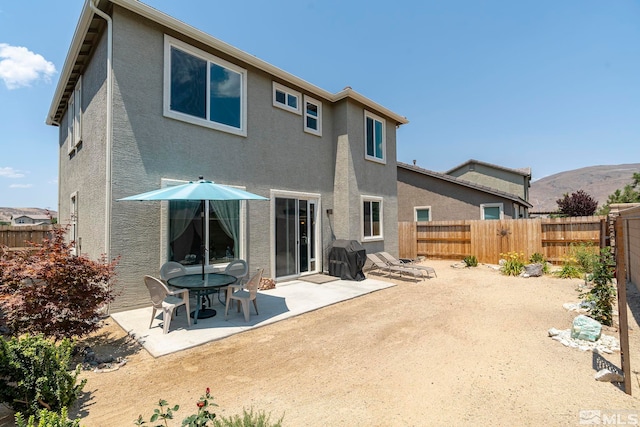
[
  {"x": 551, "y": 237},
  {"x": 16, "y": 237}
]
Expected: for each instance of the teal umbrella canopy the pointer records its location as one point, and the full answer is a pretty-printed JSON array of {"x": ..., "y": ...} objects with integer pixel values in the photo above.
[{"x": 196, "y": 190}]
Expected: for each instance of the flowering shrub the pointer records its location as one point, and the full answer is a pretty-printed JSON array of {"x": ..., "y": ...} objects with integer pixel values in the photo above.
[
  {"x": 513, "y": 264},
  {"x": 570, "y": 269},
  {"x": 203, "y": 417}
]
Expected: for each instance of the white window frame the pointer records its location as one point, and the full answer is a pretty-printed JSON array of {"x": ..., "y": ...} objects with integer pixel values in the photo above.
[
  {"x": 170, "y": 42},
  {"x": 287, "y": 92},
  {"x": 374, "y": 117},
  {"x": 318, "y": 104},
  {"x": 371, "y": 199},
  {"x": 74, "y": 117},
  {"x": 417, "y": 208},
  {"x": 491, "y": 205},
  {"x": 73, "y": 221},
  {"x": 164, "y": 230}
]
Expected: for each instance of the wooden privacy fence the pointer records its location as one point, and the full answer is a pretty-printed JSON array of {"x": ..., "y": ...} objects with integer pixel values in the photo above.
[
  {"x": 487, "y": 239},
  {"x": 16, "y": 237}
]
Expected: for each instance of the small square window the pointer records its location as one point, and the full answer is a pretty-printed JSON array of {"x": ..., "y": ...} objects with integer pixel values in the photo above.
[
  {"x": 422, "y": 213},
  {"x": 287, "y": 99}
]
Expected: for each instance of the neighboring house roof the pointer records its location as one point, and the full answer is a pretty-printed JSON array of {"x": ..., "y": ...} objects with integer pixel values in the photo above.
[
  {"x": 89, "y": 28},
  {"x": 522, "y": 171},
  {"x": 33, "y": 217},
  {"x": 464, "y": 183}
]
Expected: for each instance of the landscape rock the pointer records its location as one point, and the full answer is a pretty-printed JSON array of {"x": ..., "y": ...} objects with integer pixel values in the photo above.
[
  {"x": 533, "y": 270},
  {"x": 606, "y": 344},
  {"x": 606, "y": 375},
  {"x": 586, "y": 328}
]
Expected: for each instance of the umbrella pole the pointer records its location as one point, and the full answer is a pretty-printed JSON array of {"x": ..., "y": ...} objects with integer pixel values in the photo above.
[{"x": 202, "y": 249}]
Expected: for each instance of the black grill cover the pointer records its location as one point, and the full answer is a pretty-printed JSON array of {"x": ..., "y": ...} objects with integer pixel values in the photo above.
[{"x": 346, "y": 259}]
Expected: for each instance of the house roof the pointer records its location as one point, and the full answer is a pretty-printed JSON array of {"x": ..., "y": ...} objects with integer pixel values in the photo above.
[
  {"x": 462, "y": 182},
  {"x": 90, "y": 26},
  {"x": 522, "y": 171},
  {"x": 34, "y": 217}
]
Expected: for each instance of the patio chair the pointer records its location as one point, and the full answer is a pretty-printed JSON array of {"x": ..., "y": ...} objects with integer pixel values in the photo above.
[
  {"x": 242, "y": 295},
  {"x": 171, "y": 269},
  {"x": 167, "y": 301},
  {"x": 237, "y": 268},
  {"x": 385, "y": 256},
  {"x": 384, "y": 266}
]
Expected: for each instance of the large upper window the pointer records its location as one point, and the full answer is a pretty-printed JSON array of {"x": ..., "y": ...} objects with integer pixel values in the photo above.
[
  {"x": 74, "y": 116},
  {"x": 203, "y": 89},
  {"x": 371, "y": 218},
  {"x": 374, "y": 136}
]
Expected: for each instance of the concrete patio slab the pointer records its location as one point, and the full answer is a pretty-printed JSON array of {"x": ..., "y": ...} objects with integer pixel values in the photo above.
[{"x": 288, "y": 299}]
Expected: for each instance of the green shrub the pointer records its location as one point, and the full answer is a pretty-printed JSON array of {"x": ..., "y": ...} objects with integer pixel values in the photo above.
[
  {"x": 586, "y": 256},
  {"x": 46, "y": 418},
  {"x": 470, "y": 261},
  {"x": 513, "y": 264},
  {"x": 569, "y": 271},
  {"x": 603, "y": 293},
  {"x": 248, "y": 419},
  {"x": 34, "y": 374}
]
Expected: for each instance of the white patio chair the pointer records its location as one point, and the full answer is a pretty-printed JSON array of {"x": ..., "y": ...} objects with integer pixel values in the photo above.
[
  {"x": 399, "y": 263},
  {"x": 243, "y": 296},
  {"x": 167, "y": 301},
  {"x": 171, "y": 269}
]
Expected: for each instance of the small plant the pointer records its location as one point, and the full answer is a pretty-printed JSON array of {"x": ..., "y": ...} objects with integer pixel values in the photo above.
[
  {"x": 470, "y": 261},
  {"x": 586, "y": 255},
  {"x": 569, "y": 269},
  {"x": 603, "y": 293},
  {"x": 34, "y": 374},
  {"x": 46, "y": 418},
  {"x": 204, "y": 417},
  {"x": 513, "y": 263}
]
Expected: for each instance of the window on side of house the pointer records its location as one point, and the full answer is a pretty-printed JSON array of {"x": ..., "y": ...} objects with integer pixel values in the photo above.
[
  {"x": 422, "y": 213},
  {"x": 492, "y": 211},
  {"x": 371, "y": 218},
  {"x": 312, "y": 116},
  {"x": 287, "y": 99},
  {"x": 73, "y": 214},
  {"x": 203, "y": 89},
  {"x": 374, "y": 137},
  {"x": 74, "y": 117}
]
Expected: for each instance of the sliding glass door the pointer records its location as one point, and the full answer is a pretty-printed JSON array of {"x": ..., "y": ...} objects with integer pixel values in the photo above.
[{"x": 295, "y": 241}]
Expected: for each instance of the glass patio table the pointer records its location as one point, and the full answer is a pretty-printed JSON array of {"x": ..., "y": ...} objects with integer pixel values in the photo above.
[{"x": 198, "y": 287}]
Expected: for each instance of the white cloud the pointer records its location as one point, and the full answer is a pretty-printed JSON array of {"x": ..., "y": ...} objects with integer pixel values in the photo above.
[
  {"x": 10, "y": 172},
  {"x": 21, "y": 186},
  {"x": 19, "y": 67}
]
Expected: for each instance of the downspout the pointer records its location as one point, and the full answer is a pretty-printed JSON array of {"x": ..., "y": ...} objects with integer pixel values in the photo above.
[{"x": 109, "y": 130}]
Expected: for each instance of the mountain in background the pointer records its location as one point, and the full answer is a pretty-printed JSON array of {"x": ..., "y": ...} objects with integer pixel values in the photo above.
[
  {"x": 597, "y": 181},
  {"x": 6, "y": 213}
]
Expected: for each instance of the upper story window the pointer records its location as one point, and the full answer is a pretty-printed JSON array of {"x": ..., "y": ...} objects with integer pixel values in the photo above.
[
  {"x": 422, "y": 213},
  {"x": 374, "y": 137},
  {"x": 492, "y": 211},
  {"x": 371, "y": 218},
  {"x": 203, "y": 89},
  {"x": 74, "y": 117},
  {"x": 312, "y": 116},
  {"x": 287, "y": 99}
]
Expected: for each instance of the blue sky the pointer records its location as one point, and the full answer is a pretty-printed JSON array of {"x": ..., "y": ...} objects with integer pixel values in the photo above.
[{"x": 546, "y": 84}]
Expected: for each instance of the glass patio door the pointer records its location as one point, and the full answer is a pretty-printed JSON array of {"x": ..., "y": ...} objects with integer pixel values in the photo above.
[{"x": 295, "y": 236}]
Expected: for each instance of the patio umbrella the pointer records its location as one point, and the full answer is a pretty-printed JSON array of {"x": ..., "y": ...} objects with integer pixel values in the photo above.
[{"x": 197, "y": 190}]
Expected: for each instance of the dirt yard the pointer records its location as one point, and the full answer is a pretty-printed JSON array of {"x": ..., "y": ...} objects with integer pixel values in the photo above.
[{"x": 469, "y": 347}]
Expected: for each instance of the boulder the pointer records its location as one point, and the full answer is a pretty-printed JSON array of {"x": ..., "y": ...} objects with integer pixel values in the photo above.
[
  {"x": 533, "y": 270},
  {"x": 586, "y": 328}
]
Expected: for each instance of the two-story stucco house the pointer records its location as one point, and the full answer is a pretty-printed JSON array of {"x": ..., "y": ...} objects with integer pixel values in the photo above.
[{"x": 146, "y": 101}]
